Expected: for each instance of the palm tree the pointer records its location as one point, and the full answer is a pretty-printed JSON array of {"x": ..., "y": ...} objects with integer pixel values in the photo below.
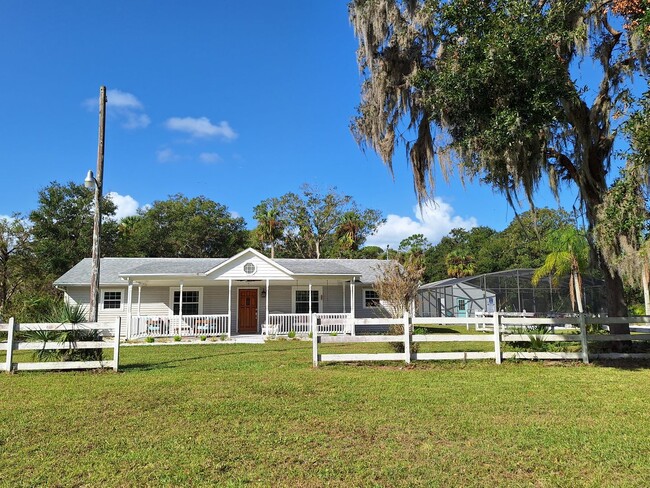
[
  {"x": 348, "y": 233},
  {"x": 459, "y": 264},
  {"x": 270, "y": 228},
  {"x": 569, "y": 255}
]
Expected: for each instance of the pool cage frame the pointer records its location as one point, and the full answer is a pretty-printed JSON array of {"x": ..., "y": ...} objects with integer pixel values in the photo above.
[{"x": 509, "y": 291}]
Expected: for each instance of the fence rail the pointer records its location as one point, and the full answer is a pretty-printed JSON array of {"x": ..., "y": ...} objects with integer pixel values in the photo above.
[
  {"x": 110, "y": 340},
  {"x": 504, "y": 329}
]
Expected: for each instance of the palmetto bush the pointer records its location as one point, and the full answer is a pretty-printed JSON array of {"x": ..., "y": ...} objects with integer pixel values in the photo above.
[{"x": 65, "y": 313}]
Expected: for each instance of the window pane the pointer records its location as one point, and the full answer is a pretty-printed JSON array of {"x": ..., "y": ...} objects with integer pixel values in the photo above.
[
  {"x": 112, "y": 299},
  {"x": 302, "y": 307},
  {"x": 302, "y": 295},
  {"x": 371, "y": 298},
  {"x": 314, "y": 307},
  {"x": 190, "y": 302}
]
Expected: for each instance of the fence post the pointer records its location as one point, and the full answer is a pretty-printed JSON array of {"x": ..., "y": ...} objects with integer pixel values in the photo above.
[
  {"x": 314, "y": 339},
  {"x": 10, "y": 345},
  {"x": 497, "y": 337},
  {"x": 583, "y": 339},
  {"x": 407, "y": 338},
  {"x": 116, "y": 346}
]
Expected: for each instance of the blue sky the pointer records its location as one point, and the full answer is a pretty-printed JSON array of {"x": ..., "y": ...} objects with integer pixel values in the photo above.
[{"x": 237, "y": 101}]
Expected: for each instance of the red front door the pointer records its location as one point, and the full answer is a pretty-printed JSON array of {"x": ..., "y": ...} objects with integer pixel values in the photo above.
[{"x": 247, "y": 316}]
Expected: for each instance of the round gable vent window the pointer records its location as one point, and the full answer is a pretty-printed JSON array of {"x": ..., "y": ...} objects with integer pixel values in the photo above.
[{"x": 249, "y": 268}]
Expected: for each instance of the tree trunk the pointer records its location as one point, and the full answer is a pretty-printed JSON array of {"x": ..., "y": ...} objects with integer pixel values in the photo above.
[
  {"x": 616, "y": 303},
  {"x": 317, "y": 249},
  {"x": 645, "y": 279},
  {"x": 272, "y": 250},
  {"x": 578, "y": 291}
]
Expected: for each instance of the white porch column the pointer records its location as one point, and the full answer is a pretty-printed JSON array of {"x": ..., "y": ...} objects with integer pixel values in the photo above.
[
  {"x": 139, "y": 297},
  {"x": 267, "y": 305},
  {"x": 229, "y": 308},
  {"x": 180, "y": 307},
  {"x": 129, "y": 305},
  {"x": 343, "y": 296},
  {"x": 352, "y": 301},
  {"x": 310, "y": 298}
]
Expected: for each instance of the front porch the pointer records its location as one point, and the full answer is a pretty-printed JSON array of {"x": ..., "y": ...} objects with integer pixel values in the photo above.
[{"x": 278, "y": 324}]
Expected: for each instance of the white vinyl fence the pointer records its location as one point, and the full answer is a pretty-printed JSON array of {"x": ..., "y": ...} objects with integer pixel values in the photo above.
[
  {"x": 502, "y": 329},
  {"x": 110, "y": 339}
]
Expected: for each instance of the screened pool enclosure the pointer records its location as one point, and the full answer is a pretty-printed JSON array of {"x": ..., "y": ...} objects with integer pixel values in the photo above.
[{"x": 506, "y": 291}]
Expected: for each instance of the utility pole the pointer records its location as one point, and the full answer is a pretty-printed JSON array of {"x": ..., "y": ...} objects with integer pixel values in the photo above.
[{"x": 98, "y": 181}]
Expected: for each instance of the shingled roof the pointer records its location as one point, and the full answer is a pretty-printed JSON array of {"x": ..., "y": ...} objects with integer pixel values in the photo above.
[{"x": 112, "y": 269}]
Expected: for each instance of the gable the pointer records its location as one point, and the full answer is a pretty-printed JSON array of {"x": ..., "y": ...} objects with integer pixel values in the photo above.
[{"x": 249, "y": 265}]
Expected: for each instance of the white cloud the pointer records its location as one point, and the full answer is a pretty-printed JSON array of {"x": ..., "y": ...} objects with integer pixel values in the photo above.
[
  {"x": 125, "y": 205},
  {"x": 235, "y": 215},
  {"x": 435, "y": 219},
  {"x": 201, "y": 127},
  {"x": 209, "y": 158},
  {"x": 8, "y": 218},
  {"x": 167, "y": 156},
  {"x": 123, "y": 106}
]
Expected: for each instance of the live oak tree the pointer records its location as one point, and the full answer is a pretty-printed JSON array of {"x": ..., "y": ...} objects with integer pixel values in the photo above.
[
  {"x": 62, "y": 227},
  {"x": 623, "y": 230},
  {"x": 186, "y": 227},
  {"x": 491, "y": 89}
]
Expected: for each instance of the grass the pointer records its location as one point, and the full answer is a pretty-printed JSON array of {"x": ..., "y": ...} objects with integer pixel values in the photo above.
[{"x": 238, "y": 415}]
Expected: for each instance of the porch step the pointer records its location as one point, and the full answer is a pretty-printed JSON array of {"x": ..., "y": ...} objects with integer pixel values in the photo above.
[{"x": 247, "y": 339}]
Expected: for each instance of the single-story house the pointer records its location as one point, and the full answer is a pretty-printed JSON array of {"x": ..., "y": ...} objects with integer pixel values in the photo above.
[{"x": 248, "y": 293}]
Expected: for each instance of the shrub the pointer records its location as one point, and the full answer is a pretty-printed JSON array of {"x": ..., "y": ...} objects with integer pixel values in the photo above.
[
  {"x": 177, "y": 338},
  {"x": 311, "y": 335},
  {"x": 223, "y": 337},
  {"x": 149, "y": 340},
  {"x": 291, "y": 334},
  {"x": 203, "y": 338},
  {"x": 66, "y": 313}
]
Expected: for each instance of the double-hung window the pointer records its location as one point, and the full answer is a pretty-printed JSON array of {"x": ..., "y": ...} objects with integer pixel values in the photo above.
[
  {"x": 370, "y": 299},
  {"x": 302, "y": 299},
  {"x": 112, "y": 300},
  {"x": 191, "y": 302}
]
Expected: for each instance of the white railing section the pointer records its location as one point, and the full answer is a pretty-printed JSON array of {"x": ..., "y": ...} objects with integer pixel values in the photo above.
[
  {"x": 301, "y": 323},
  {"x": 109, "y": 338},
  {"x": 188, "y": 325},
  {"x": 334, "y": 323},
  {"x": 283, "y": 323}
]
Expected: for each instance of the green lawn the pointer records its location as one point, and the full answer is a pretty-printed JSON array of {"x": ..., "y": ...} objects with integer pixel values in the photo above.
[{"x": 260, "y": 415}]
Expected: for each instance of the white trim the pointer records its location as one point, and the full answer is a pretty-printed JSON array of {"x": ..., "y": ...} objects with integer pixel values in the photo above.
[
  {"x": 238, "y": 288},
  {"x": 365, "y": 290},
  {"x": 122, "y": 297},
  {"x": 254, "y": 253},
  {"x": 319, "y": 289},
  {"x": 172, "y": 289}
]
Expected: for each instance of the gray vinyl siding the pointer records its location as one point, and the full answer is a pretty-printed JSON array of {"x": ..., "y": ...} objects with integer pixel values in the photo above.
[
  {"x": 81, "y": 296},
  {"x": 155, "y": 301}
]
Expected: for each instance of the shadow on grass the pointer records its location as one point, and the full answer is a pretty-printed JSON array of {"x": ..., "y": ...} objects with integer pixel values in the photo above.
[{"x": 436, "y": 330}]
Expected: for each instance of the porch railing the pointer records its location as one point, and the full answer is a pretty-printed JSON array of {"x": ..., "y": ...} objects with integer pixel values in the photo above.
[
  {"x": 188, "y": 325},
  {"x": 328, "y": 323},
  {"x": 283, "y": 323}
]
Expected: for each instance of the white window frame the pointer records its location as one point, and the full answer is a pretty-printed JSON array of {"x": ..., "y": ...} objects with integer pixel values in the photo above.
[
  {"x": 185, "y": 288},
  {"x": 365, "y": 298},
  {"x": 112, "y": 290},
  {"x": 294, "y": 289}
]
